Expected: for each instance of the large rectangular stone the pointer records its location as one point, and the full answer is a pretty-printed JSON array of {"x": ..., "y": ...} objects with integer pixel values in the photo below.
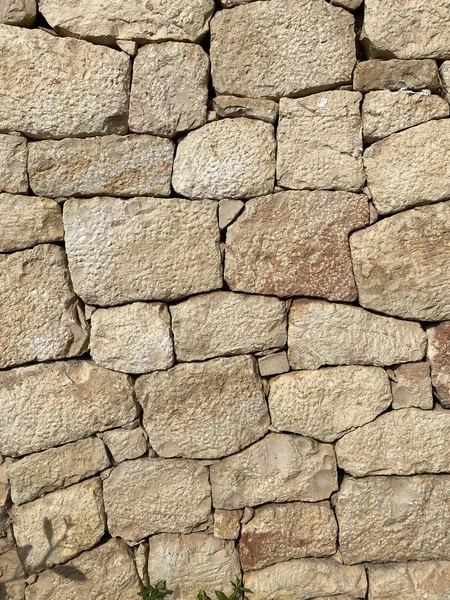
[{"x": 13, "y": 164}]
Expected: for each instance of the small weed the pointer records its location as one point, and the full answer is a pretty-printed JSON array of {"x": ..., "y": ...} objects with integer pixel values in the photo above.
[
  {"x": 160, "y": 592},
  {"x": 157, "y": 592}
]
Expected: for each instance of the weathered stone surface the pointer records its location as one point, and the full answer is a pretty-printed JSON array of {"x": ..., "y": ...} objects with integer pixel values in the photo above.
[
  {"x": 439, "y": 356},
  {"x": 253, "y": 108},
  {"x": 55, "y": 403},
  {"x": 156, "y": 495},
  {"x": 307, "y": 578},
  {"x": 407, "y": 28},
  {"x": 444, "y": 72},
  {"x": 228, "y": 211},
  {"x": 224, "y": 323},
  {"x": 280, "y": 532},
  {"x": 396, "y": 75},
  {"x": 227, "y": 524},
  {"x": 322, "y": 333},
  {"x": 18, "y": 12},
  {"x": 104, "y": 22},
  {"x": 328, "y": 403},
  {"x": 40, "y": 316},
  {"x": 279, "y": 468},
  {"x": 411, "y": 386},
  {"x": 134, "y": 338},
  {"x": 107, "y": 571},
  {"x": 320, "y": 142},
  {"x": 402, "y": 264},
  {"x": 28, "y": 220},
  {"x": 295, "y": 244},
  {"x": 128, "y": 46},
  {"x": 12, "y": 577},
  {"x": 116, "y": 165},
  {"x": 170, "y": 89},
  {"x": 13, "y": 163},
  {"x": 204, "y": 410},
  {"x": 384, "y": 519},
  {"x": 232, "y": 158},
  {"x": 409, "y": 581},
  {"x": 385, "y": 112},
  {"x": 54, "y": 87},
  {"x": 189, "y": 563},
  {"x": 275, "y": 48},
  {"x": 57, "y": 527},
  {"x": 142, "y": 248},
  {"x": 273, "y": 364},
  {"x": 4, "y": 497},
  {"x": 231, "y": 3},
  {"x": 125, "y": 444},
  {"x": 349, "y": 4},
  {"x": 38, "y": 474}
]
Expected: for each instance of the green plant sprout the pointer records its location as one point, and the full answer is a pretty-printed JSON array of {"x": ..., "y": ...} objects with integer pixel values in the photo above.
[
  {"x": 157, "y": 592},
  {"x": 160, "y": 592}
]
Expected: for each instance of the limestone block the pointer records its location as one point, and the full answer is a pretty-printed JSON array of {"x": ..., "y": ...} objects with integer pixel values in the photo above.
[
  {"x": 411, "y": 386},
  {"x": 273, "y": 364},
  {"x": 18, "y": 12},
  {"x": 227, "y": 524},
  {"x": 12, "y": 576},
  {"x": 125, "y": 444},
  {"x": 409, "y": 581},
  {"x": 253, "y": 108},
  {"x": 228, "y": 211},
  {"x": 13, "y": 163},
  {"x": 439, "y": 356},
  {"x": 395, "y": 74}
]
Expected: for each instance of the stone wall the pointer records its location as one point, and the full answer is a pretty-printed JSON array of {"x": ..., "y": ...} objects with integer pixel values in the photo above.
[{"x": 225, "y": 298}]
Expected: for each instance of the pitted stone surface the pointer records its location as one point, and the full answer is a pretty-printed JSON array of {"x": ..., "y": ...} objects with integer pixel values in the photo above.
[
  {"x": 18, "y": 12},
  {"x": 227, "y": 524},
  {"x": 13, "y": 164},
  {"x": 125, "y": 444},
  {"x": 409, "y": 581},
  {"x": 439, "y": 356},
  {"x": 396, "y": 75},
  {"x": 411, "y": 386}
]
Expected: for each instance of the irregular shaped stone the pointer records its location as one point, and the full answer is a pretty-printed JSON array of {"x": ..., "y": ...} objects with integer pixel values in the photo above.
[
  {"x": 156, "y": 495},
  {"x": 396, "y": 75},
  {"x": 57, "y": 527},
  {"x": 192, "y": 562},
  {"x": 134, "y": 338},
  {"x": 320, "y": 142},
  {"x": 273, "y": 364},
  {"x": 295, "y": 244},
  {"x": 409, "y": 168},
  {"x": 439, "y": 356},
  {"x": 253, "y": 108},
  {"x": 56, "y": 403},
  {"x": 28, "y": 220},
  {"x": 227, "y": 524},
  {"x": 279, "y": 468},
  {"x": 407, "y": 28},
  {"x": 322, "y": 333},
  {"x": 280, "y": 532},
  {"x": 104, "y": 22},
  {"x": 169, "y": 93},
  {"x": 4, "y": 499},
  {"x": 224, "y": 323},
  {"x": 232, "y": 158},
  {"x": 128, "y": 46},
  {"x": 54, "y": 87},
  {"x": 142, "y": 249},
  {"x": 409, "y": 581},
  {"x": 444, "y": 72},
  {"x": 394, "y": 519},
  {"x": 125, "y": 444},
  {"x": 411, "y": 386},
  {"x": 275, "y": 48},
  {"x": 40, "y": 316},
  {"x": 307, "y": 578},
  {"x": 231, "y": 3},
  {"x": 13, "y": 163},
  {"x": 402, "y": 264},
  {"x": 228, "y": 211},
  {"x": 386, "y": 112},
  {"x": 349, "y": 4},
  {"x": 116, "y": 165},
  {"x": 107, "y": 571},
  {"x": 328, "y": 403},
  {"x": 38, "y": 474},
  {"x": 12, "y": 576},
  {"x": 204, "y": 410}
]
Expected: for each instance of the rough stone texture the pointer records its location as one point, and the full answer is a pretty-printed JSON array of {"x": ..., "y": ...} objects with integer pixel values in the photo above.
[
  {"x": 253, "y": 108},
  {"x": 134, "y": 338},
  {"x": 279, "y": 468},
  {"x": 307, "y": 578},
  {"x": 396, "y": 75},
  {"x": 116, "y": 165},
  {"x": 28, "y": 220},
  {"x": 189, "y": 563},
  {"x": 394, "y": 519},
  {"x": 409, "y": 168},
  {"x": 386, "y": 112},
  {"x": 407, "y": 28},
  {"x": 273, "y": 364},
  {"x": 125, "y": 444},
  {"x": 411, "y": 386},
  {"x": 156, "y": 495},
  {"x": 170, "y": 89},
  {"x": 444, "y": 72},
  {"x": 228, "y": 211},
  {"x": 319, "y": 142},
  {"x": 349, "y": 4},
  {"x": 439, "y": 356},
  {"x": 52, "y": 404},
  {"x": 402, "y": 264},
  {"x": 18, "y": 12},
  {"x": 280, "y": 532},
  {"x": 204, "y": 410},
  {"x": 13, "y": 163},
  {"x": 105, "y": 21},
  {"x": 107, "y": 571},
  {"x": 40, "y": 316},
  {"x": 328, "y": 403},
  {"x": 295, "y": 244},
  {"x": 142, "y": 248},
  {"x": 4, "y": 498},
  {"x": 55, "y": 88},
  {"x": 12, "y": 577},
  {"x": 57, "y": 527},
  {"x": 232, "y": 158},
  {"x": 224, "y": 323},
  {"x": 322, "y": 333},
  {"x": 128, "y": 46},
  {"x": 38, "y": 474},
  {"x": 275, "y": 48},
  {"x": 227, "y": 524},
  {"x": 409, "y": 581}
]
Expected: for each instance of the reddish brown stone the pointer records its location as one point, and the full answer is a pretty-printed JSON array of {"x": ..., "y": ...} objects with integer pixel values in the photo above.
[{"x": 439, "y": 355}]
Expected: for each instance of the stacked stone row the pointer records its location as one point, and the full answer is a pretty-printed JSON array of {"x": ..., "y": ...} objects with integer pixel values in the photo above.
[{"x": 225, "y": 298}]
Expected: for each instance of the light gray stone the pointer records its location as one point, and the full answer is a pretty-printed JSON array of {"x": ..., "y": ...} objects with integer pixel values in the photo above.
[
  {"x": 439, "y": 356},
  {"x": 18, "y": 12},
  {"x": 273, "y": 364},
  {"x": 12, "y": 576},
  {"x": 411, "y": 386},
  {"x": 253, "y": 108},
  {"x": 228, "y": 211},
  {"x": 396, "y": 75},
  {"x": 13, "y": 164},
  {"x": 125, "y": 444},
  {"x": 409, "y": 581},
  {"x": 128, "y": 46}
]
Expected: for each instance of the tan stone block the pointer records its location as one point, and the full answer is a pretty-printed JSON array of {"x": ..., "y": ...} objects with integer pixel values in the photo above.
[
  {"x": 409, "y": 581},
  {"x": 253, "y": 108},
  {"x": 12, "y": 576},
  {"x": 227, "y": 524},
  {"x": 125, "y": 444},
  {"x": 439, "y": 357},
  {"x": 396, "y": 75},
  {"x": 273, "y": 364},
  {"x": 228, "y": 211},
  {"x": 18, "y": 12},
  {"x": 13, "y": 163},
  {"x": 411, "y": 386}
]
